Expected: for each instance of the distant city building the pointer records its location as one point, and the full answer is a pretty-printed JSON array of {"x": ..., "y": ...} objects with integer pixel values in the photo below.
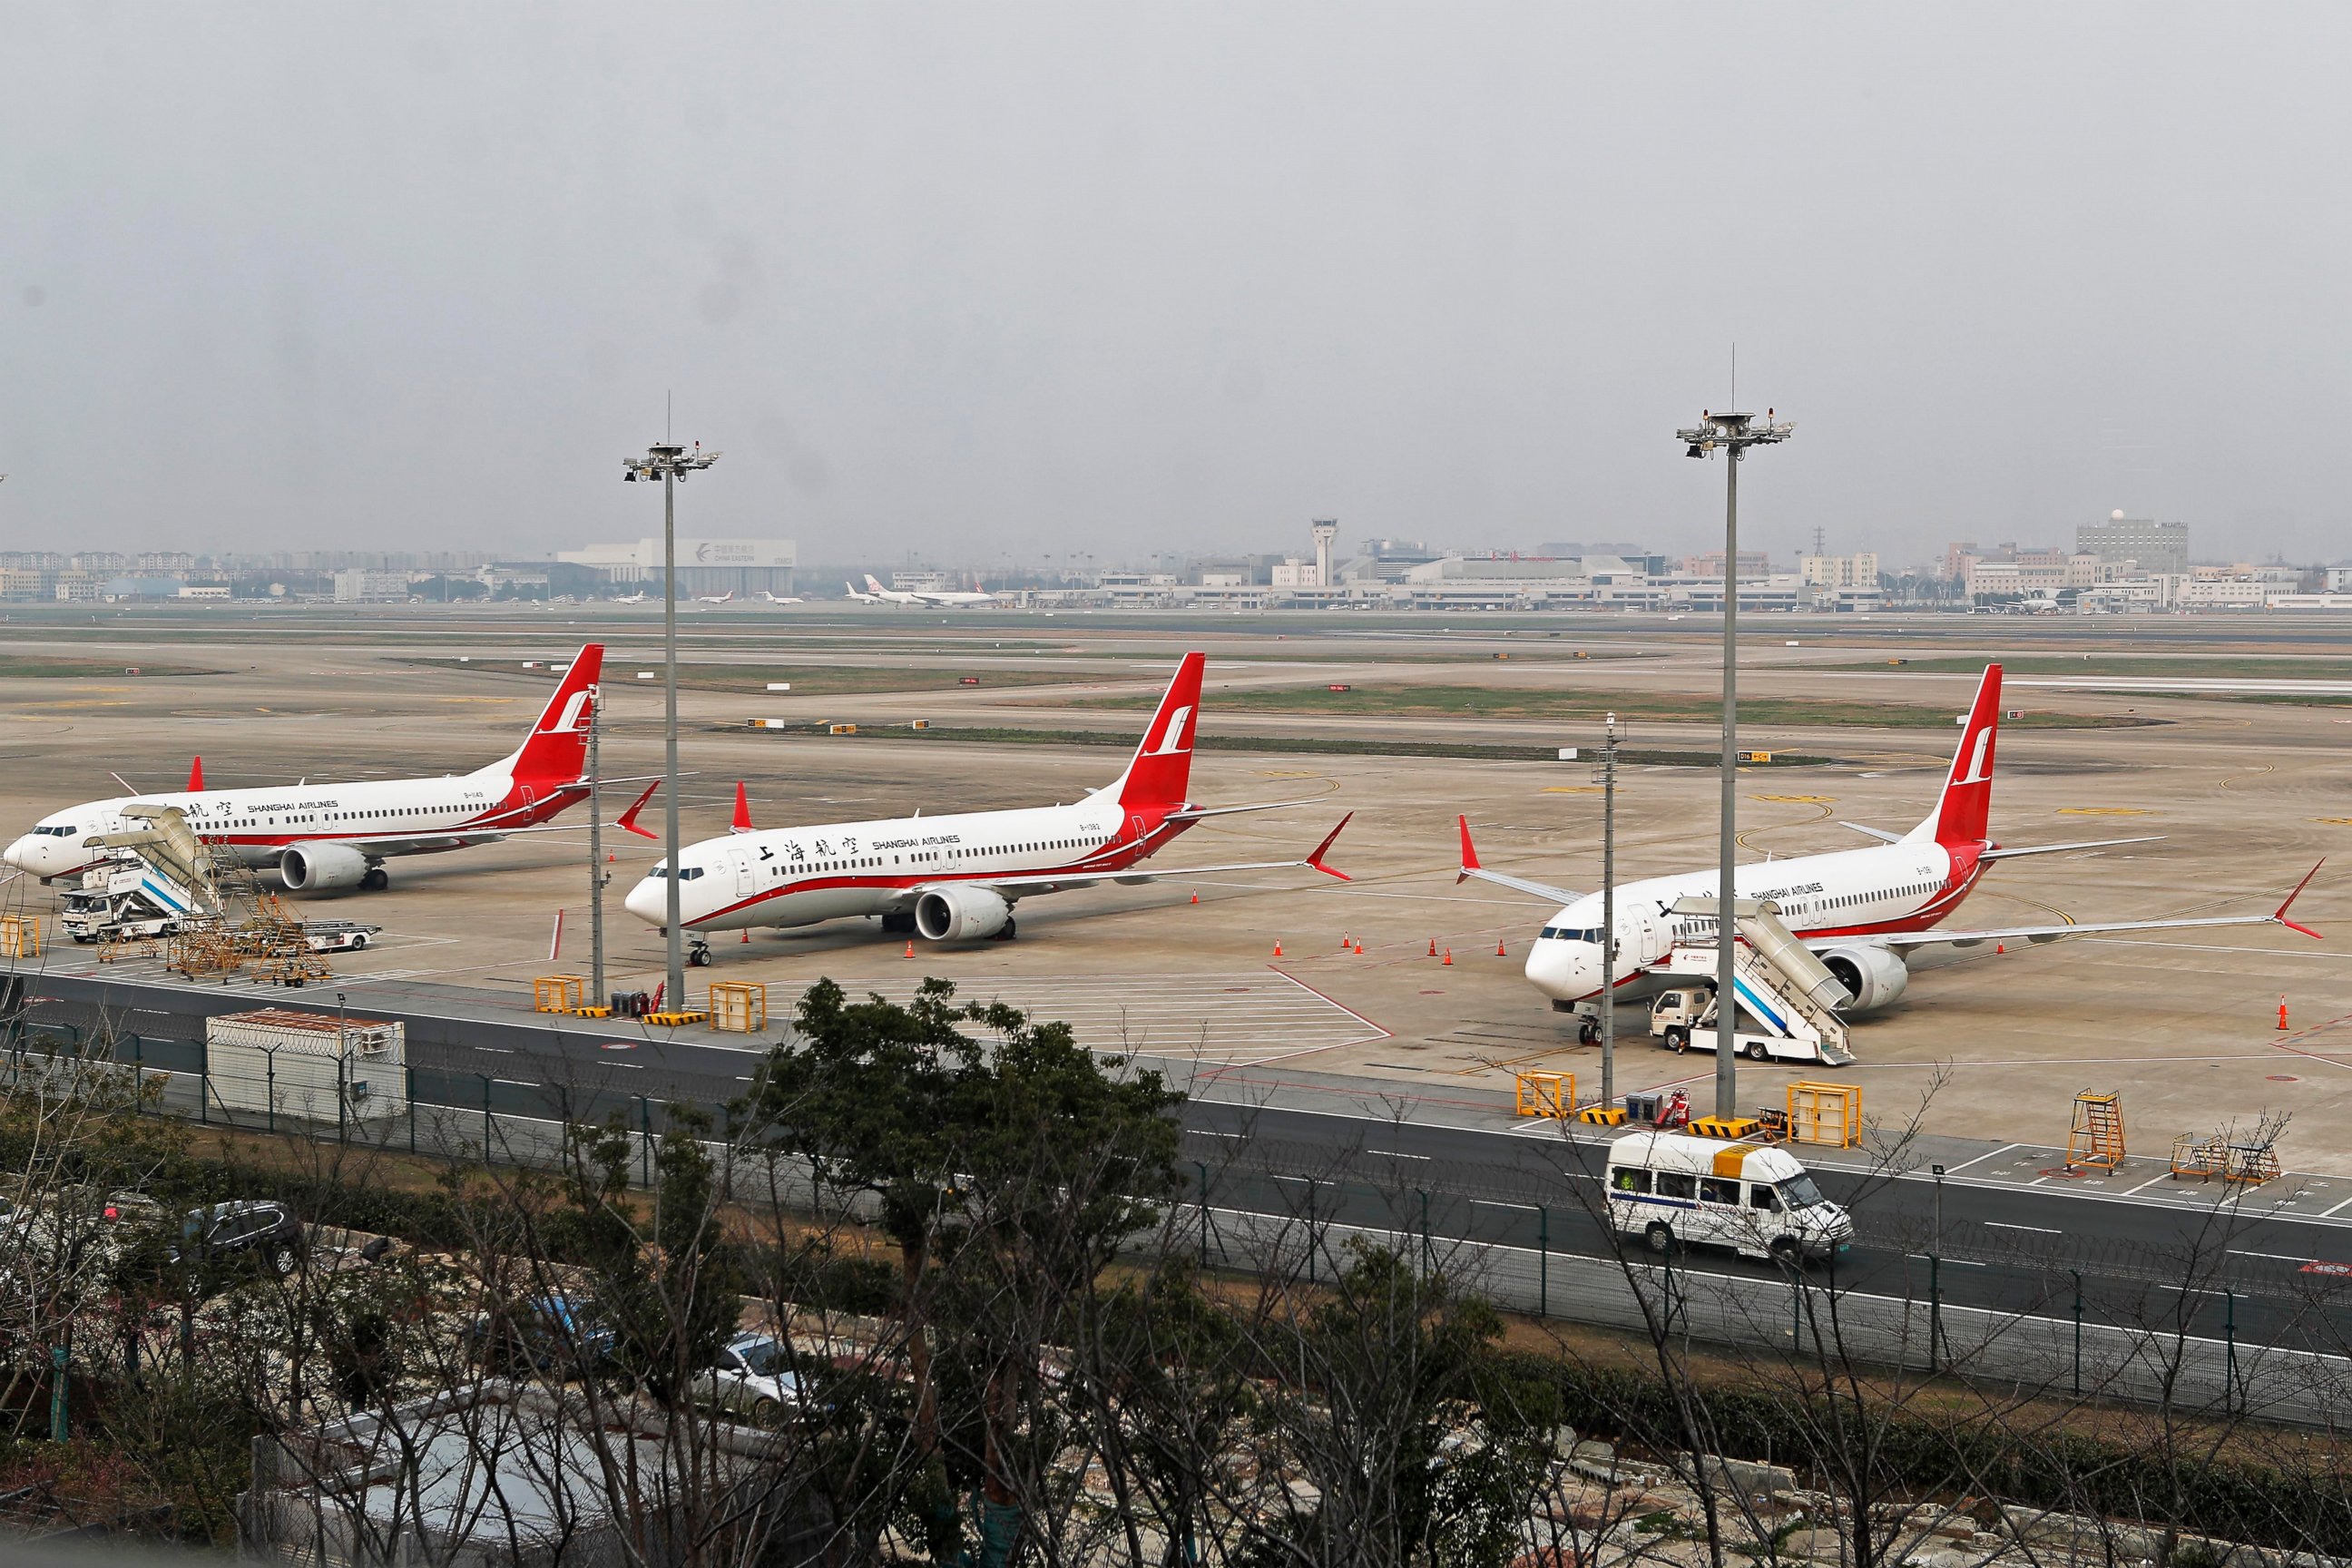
[
  {"x": 744, "y": 566},
  {"x": 2156, "y": 547},
  {"x": 358, "y": 585},
  {"x": 1859, "y": 570},
  {"x": 1709, "y": 563}
]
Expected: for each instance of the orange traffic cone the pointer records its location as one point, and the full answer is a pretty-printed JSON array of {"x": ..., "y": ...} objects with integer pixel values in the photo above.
[
  {"x": 911, "y": 950},
  {"x": 747, "y": 933},
  {"x": 2282, "y": 1012},
  {"x": 1432, "y": 947},
  {"x": 1277, "y": 948},
  {"x": 1999, "y": 947},
  {"x": 1500, "y": 951},
  {"x": 610, "y": 858},
  {"x": 1196, "y": 897},
  {"x": 1449, "y": 955},
  {"x": 1360, "y": 947}
]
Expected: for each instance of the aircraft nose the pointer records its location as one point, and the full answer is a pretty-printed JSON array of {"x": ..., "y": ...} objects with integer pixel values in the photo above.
[
  {"x": 1562, "y": 969},
  {"x": 19, "y": 853},
  {"x": 648, "y": 902}
]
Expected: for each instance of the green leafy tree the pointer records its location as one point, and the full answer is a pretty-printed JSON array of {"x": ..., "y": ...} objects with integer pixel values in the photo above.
[{"x": 1007, "y": 1170}]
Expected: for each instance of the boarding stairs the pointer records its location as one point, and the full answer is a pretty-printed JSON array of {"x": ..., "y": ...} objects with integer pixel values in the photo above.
[
  {"x": 154, "y": 879},
  {"x": 1784, "y": 990}
]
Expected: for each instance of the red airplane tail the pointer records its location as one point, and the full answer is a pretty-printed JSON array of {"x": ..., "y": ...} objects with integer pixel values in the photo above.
[
  {"x": 556, "y": 753},
  {"x": 1965, "y": 812},
  {"x": 1161, "y": 769}
]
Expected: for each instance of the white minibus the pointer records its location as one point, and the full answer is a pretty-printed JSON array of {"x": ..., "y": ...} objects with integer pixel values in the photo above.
[{"x": 1672, "y": 1189}]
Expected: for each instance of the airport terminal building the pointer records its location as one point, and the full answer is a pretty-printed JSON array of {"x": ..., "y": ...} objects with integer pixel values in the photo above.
[{"x": 741, "y": 567}]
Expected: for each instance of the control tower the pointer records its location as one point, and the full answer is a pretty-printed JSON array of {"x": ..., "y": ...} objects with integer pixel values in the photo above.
[{"x": 1325, "y": 531}]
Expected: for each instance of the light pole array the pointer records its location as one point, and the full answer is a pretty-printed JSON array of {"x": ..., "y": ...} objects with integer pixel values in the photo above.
[
  {"x": 1731, "y": 433},
  {"x": 670, "y": 465}
]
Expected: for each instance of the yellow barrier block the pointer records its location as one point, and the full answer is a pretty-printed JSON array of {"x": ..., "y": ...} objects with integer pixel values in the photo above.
[
  {"x": 1730, "y": 1127},
  {"x": 1603, "y": 1115}
]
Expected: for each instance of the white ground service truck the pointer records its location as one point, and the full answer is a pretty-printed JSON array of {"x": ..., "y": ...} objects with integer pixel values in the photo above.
[
  {"x": 1674, "y": 1190},
  {"x": 123, "y": 897}
]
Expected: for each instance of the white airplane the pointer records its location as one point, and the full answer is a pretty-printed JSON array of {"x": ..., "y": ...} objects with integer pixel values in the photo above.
[
  {"x": 726, "y": 598},
  {"x": 326, "y": 837},
  {"x": 630, "y": 599},
  {"x": 929, "y": 598},
  {"x": 779, "y": 598},
  {"x": 1870, "y": 914},
  {"x": 952, "y": 879}
]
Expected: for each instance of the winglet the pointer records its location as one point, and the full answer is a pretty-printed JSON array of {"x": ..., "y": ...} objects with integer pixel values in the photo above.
[
  {"x": 196, "y": 775},
  {"x": 1469, "y": 854},
  {"x": 628, "y": 822},
  {"x": 2279, "y": 914},
  {"x": 742, "y": 822},
  {"x": 1324, "y": 848}
]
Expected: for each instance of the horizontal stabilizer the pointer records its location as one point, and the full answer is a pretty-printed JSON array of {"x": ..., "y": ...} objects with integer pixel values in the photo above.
[{"x": 2062, "y": 848}]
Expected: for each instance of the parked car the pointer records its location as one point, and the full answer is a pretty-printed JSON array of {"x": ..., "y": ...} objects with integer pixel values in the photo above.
[
  {"x": 230, "y": 1235},
  {"x": 563, "y": 1334},
  {"x": 751, "y": 1377}
]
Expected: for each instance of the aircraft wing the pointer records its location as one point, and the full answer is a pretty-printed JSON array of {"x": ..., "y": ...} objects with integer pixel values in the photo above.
[
  {"x": 2036, "y": 935},
  {"x": 1470, "y": 868}
]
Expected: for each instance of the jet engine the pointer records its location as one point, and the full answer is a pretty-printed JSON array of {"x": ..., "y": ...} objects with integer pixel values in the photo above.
[
  {"x": 1874, "y": 976},
  {"x": 961, "y": 914},
  {"x": 321, "y": 868}
]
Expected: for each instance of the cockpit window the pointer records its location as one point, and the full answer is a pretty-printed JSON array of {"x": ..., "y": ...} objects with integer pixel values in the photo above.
[{"x": 1572, "y": 933}]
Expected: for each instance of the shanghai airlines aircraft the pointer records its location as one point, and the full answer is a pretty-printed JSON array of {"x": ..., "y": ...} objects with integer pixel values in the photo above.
[
  {"x": 953, "y": 878},
  {"x": 929, "y": 598},
  {"x": 326, "y": 837},
  {"x": 1868, "y": 913}
]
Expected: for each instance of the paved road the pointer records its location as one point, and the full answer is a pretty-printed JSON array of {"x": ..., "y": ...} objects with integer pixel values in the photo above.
[{"x": 2213, "y": 1265}]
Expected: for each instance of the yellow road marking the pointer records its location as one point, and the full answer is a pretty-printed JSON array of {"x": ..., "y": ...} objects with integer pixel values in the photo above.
[
  {"x": 2103, "y": 811},
  {"x": 1797, "y": 799},
  {"x": 2335, "y": 821},
  {"x": 1572, "y": 789},
  {"x": 1290, "y": 773}
]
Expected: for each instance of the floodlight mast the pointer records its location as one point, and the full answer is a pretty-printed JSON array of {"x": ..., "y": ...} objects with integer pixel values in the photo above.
[
  {"x": 671, "y": 465},
  {"x": 1731, "y": 433}
]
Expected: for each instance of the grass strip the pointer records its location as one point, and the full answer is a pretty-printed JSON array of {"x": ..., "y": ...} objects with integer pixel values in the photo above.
[{"x": 1326, "y": 745}]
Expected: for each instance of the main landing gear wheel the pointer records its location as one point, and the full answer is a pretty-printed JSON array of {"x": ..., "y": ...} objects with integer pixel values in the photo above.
[
  {"x": 698, "y": 956},
  {"x": 1011, "y": 930},
  {"x": 376, "y": 880},
  {"x": 1588, "y": 1032}
]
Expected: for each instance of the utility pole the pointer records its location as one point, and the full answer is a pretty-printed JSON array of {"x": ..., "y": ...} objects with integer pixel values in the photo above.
[
  {"x": 597, "y": 996},
  {"x": 1734, "y": 434},
  {"x": 671, "y": 465},
  {"x": 1609, "y": 913}
]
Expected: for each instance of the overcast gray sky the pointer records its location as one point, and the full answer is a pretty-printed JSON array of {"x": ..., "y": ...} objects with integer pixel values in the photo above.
[{"x": 979, "y": 280}]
